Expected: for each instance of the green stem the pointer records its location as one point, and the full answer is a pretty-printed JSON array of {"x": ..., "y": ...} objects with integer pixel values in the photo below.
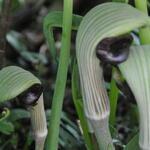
[
  {"x": 144, "y": 32},
  {"x": 127, "y": 1},
  {"x": 141, "y": 5},
  {"x": 53, "y": 133},
  {"x": 39, "y": 125},
  {"x": 102, "y": 133},
  {"x": 113, "y": 96}
]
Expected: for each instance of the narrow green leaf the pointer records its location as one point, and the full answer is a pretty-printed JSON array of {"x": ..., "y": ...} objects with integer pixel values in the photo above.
[
  {"x": 144, "y": 33},
  {"x": 79, "y": 106},
  {"x": 113, "y": 97},
  {"x": 133, "y": 143},
  {"x": 16, "y": 40},
  {"x": 55, "y": 19}
]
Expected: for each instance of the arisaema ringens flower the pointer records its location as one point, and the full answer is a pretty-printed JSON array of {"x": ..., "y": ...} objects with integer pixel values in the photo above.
[
  {"x": 110, "y": 20},
  {"x": 18, "y": 83}
]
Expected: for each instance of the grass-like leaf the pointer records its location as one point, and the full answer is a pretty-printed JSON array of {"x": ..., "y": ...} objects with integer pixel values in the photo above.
[
  {"x": 113, "y": 97},
  {"x": 133, "y": 143},
  {"x": 16, "y": 40},
  {"x": 79, "y": 106},
  {"x": 55, "y": 19}
]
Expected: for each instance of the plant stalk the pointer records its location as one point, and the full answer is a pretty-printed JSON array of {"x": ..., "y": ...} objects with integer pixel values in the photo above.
[
  {"x": 113, "y": 97},
  {"x": 144, "y": 32},
  {"x": 53, "y": 132},
  {"x": 39, "y": 125},
  {"x": 101, "y": 130},
  {"x": 144, "y": 35}
]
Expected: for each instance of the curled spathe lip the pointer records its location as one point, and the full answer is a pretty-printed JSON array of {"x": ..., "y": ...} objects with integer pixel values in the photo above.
[
  {"x": 30, "y": 96},
  {"x": 114, "y": 50}
]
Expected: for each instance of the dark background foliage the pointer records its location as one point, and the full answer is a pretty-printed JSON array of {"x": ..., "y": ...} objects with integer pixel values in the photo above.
[{"x": 26, "y": 47}]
